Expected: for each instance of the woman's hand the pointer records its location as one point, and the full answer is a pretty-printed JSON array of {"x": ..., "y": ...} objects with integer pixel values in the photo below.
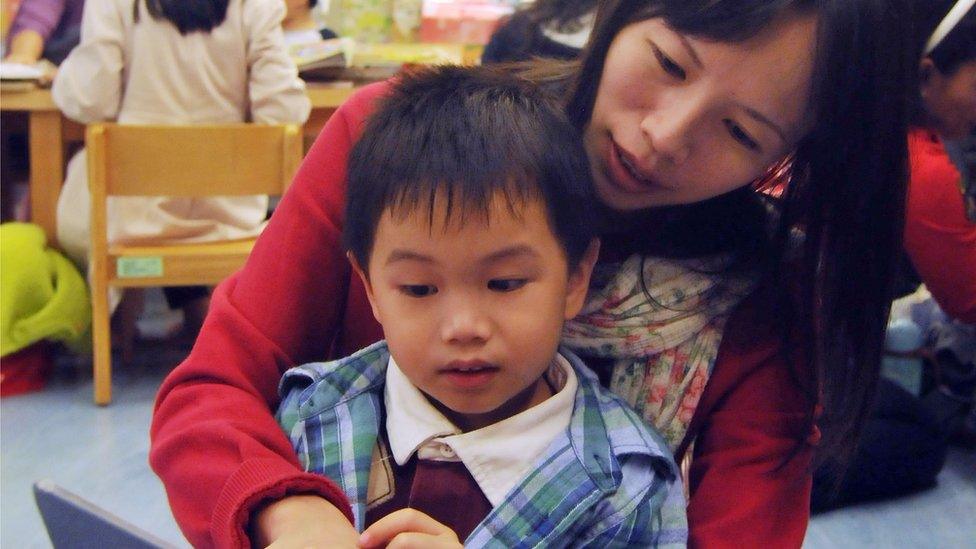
[
  {"x": 302, "y": 521},
  {"x": 409, "y": 528}
]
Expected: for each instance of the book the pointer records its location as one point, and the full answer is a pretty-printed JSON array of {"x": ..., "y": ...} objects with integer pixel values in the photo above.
[
  {"x": 17, "y": 77},
  {"x": 312, "y": 57},
  {"x": 344, "y": 59}
]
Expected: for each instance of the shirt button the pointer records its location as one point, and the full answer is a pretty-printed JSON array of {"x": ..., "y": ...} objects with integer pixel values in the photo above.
[{"x": 447, "y": 451}]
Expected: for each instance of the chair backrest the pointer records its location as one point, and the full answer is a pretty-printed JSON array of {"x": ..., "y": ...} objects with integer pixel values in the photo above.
[
  {"x": 72, "y": 521},
  {"x": 224, "y": 160}
]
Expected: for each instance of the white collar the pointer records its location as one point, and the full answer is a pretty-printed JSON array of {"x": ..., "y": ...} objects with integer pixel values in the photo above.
[{"x": 497, "y": 456}]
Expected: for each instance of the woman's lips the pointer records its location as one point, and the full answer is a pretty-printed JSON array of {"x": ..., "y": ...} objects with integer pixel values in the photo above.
[{"x": 624, "y": 174}]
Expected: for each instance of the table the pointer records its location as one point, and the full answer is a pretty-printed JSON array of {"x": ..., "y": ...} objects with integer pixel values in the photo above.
[{"x": 49, "y": 131}]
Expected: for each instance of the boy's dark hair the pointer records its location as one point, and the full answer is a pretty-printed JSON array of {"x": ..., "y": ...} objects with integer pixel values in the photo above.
[
  {"x": 187, "y": 15},
  {"x": 465, "y": 134}
]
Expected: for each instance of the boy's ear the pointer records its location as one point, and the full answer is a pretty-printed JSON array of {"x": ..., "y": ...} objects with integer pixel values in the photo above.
[
  {"x": 579, "y": 279},
  {"x": 366, "y": 284}
]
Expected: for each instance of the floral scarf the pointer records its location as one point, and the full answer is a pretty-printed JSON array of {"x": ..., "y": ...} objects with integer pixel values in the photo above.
[{"x": 663, "y": 349}]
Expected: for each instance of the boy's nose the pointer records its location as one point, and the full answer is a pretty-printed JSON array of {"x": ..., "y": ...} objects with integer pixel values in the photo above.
[{"x": 465, "y": 325}]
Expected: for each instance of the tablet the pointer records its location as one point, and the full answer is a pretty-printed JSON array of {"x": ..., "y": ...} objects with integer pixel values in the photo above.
[{"x": 73, "y": 522}]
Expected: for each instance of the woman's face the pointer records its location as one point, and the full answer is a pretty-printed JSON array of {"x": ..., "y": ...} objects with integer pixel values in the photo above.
[
  {"x": 680, "y": 119},
  {"x": 950, "y": 100}
]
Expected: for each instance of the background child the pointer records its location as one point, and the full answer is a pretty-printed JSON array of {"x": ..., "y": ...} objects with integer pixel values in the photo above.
[
  {"x": 174, "y": 62},
  {"x": 905, "y": 439},
  {"x": 544, "y": 28},
  {"x": 475, "y": 243},
  {"x": 47, "y": 29}
]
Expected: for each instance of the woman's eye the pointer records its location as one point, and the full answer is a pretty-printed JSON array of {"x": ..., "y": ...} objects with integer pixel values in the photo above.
[
  {"x": 506, "y": 284},
  {"x": 740, "y": 135},
  {"x": 669, "y": 65},
  {"x": 418, "y": 290}
]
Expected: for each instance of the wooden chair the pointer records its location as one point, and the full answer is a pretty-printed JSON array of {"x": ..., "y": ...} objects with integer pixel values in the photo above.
[{"x": 187, "y": 161}]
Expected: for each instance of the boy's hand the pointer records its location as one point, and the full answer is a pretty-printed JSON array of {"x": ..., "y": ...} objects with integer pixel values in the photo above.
[
  {"x": 302, "y": 521},
  {"x": 408, "y": 528}
]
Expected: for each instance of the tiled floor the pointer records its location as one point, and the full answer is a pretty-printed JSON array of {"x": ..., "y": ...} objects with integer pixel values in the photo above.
[{"x": 101, "y": 453}]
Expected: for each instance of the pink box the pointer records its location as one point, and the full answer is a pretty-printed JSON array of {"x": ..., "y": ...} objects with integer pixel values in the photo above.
[{"x": 470, "y": 22}]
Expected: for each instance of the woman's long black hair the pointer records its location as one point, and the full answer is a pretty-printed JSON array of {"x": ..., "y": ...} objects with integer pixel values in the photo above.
[
  {"x": 836, "y": 236},
  {"x": 187, "y": 15}
]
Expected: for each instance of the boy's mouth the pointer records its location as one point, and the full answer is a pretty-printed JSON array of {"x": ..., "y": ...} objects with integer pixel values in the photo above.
[{"x": 469, "y": 373}]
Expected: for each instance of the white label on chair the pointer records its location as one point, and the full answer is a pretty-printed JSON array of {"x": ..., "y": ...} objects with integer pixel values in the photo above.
[{"x": 139, "y": 267}]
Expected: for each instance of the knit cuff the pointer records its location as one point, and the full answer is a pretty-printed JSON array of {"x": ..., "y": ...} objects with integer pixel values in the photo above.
[{"x": 258, "y": 481}]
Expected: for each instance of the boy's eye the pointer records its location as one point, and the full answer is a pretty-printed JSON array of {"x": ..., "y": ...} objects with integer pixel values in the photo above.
[
  {"x": 669, "y": 65},
  {"x": 418, "y": 290},
  {"x": 740, "y": 135},
  {"x": 506, "y": 284}
]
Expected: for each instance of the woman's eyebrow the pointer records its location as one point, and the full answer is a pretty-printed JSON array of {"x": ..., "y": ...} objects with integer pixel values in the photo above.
[
  {"x": 753, "y": 113},
  {"x": 760, "y": 117},
  {"x": 690, "y": 49}
]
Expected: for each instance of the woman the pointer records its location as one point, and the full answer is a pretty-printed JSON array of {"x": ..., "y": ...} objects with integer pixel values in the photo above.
[
  {"x": 174, "y": 62},
  {"x": 683, "y": 105}
]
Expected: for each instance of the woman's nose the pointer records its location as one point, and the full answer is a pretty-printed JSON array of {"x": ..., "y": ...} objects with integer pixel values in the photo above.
[{"x": 669, "y": 127}]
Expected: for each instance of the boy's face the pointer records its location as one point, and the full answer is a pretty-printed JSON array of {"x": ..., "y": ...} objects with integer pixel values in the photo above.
[{"x": 473, "y": 311}]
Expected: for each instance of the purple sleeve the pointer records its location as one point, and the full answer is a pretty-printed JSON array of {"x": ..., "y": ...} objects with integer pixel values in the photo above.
[{"x": 46, "y": 16}]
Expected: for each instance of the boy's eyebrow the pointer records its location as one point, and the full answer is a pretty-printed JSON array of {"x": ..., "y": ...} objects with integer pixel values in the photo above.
[
  {"x": 498, "y": 255},
  {"x": 510, "y": 251},
  {"x": 408, "y": 255}
]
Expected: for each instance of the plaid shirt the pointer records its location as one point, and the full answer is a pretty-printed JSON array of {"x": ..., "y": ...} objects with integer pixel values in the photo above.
[{"x": 608, "y": 481}]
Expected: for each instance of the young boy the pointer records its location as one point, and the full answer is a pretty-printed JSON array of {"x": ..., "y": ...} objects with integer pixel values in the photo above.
[{"x": 469, "y": 220}]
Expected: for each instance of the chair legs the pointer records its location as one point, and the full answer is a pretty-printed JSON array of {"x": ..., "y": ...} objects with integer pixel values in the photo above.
[
  {"x": 124, "y": 320},
  {"x": 101, "y": 342}
]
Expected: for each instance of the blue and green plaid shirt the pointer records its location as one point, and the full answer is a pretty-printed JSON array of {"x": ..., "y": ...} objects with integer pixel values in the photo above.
[{"x": 608, "y": 481}]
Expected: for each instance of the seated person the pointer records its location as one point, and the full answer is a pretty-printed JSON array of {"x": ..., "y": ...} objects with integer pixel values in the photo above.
[
  {"x": 300, "y": 26},
  {"x": 904, "y": 443},
  {"x": 555, "y": 29},
  {"x": 940, "y": 237},
  {"x": 222, "y": 63},
  {"x": 475, "y": 243},
  {"x": 47, "y": 29}
]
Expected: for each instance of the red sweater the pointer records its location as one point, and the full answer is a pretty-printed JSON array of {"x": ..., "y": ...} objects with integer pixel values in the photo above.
[
  {"x": 939, "y": 239},
  {"x": 220, "y": 452}
]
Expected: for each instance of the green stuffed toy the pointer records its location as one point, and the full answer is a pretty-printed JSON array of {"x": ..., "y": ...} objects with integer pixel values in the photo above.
[{"x": 42, "y": 294}]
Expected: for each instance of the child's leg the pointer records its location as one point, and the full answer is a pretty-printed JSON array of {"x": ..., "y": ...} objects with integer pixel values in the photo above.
[{"x": 194, "y": 301}]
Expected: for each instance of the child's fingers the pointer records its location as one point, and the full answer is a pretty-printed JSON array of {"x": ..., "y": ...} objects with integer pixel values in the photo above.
[
  {"x": 405, "y": 521},
  {"x": 413, "y": 540}
]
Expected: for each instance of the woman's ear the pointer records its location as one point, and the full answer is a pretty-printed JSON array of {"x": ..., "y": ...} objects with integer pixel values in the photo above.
[
  {"x": 579, "y": 280},
  {"x": 366, "y": 284}
]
